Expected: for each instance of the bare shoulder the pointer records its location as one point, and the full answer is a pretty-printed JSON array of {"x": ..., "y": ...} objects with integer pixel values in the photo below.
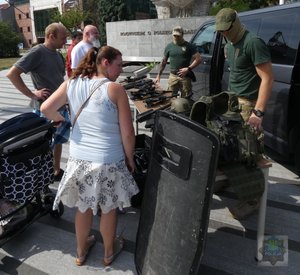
[{"x": 116, "y": 91}]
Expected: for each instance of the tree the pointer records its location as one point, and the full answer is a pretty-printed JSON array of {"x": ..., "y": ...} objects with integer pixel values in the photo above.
[
  {"x": 71, "y": 19},
  {"x": 114, "y": 10},
  {"x": 241, "y": 5},
  {"x": 9, "y": 41}
]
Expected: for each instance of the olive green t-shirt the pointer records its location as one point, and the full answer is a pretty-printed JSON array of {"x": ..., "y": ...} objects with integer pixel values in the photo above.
[
  {"x": 242, "y": 58},
  {"x": 180, "y": 55}
]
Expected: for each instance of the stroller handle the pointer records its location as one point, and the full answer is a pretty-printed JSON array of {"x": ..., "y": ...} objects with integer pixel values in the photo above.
[{"x": 25, "y": 137}]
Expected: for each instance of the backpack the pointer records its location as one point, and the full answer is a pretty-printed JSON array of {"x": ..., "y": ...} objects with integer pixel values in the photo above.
[{"x": 239, "y": 146}]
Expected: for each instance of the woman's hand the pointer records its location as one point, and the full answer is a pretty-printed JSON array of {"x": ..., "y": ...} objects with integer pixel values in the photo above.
[{"x": 130, "y": 165}]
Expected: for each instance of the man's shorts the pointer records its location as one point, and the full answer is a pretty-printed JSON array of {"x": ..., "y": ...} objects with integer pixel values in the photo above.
[{"x": 62, "y": 133}]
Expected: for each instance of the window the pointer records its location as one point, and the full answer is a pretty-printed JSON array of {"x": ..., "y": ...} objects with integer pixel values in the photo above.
[
  {"x": 281, "y": 35},
  {"x": 20, "y": 16},
  {"x": 29, "y": 41},
  {"x": 204, "y": 39},
  {"x": 27, "y": 15},
  {"x": 28, "y": 29},
  {"x": 21, "y": 30}
]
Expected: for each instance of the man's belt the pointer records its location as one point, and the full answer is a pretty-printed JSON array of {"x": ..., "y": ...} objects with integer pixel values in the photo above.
[{"x": 174, "y": 72}]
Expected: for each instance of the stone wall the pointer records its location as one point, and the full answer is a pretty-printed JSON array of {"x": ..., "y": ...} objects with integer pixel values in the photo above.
[{"x": 145, "y": 40}]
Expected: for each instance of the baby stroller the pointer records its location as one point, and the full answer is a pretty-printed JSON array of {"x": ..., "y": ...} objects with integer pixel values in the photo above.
[{"x": 26, "y": 170}]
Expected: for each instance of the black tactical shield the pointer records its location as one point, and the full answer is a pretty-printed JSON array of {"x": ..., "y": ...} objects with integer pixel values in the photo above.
[{"x": 176, "y": 203}]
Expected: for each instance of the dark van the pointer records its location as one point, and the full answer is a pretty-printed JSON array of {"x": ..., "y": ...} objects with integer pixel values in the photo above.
[{"x": 279, "y": 26}]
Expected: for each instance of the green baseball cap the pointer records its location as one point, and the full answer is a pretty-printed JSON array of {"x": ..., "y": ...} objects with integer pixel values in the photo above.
[{"x": 224, "y": 18}]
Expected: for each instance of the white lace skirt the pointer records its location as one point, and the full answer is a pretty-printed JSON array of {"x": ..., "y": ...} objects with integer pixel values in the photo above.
[{"x": 86, "y": 184}]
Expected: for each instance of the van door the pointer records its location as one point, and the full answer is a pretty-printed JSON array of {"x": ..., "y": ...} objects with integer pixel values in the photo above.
[
  {"x": 282, "y": 38},
  {"x": 204, "y": 40}
]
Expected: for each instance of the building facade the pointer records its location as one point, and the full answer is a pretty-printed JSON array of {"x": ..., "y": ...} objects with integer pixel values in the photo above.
[{"x": 24, "y": 22}]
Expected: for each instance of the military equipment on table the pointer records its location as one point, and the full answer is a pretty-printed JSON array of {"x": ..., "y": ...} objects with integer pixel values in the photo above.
[
  {"x": 143, "y": 94},
  {"x": 150, "y": 102},
  {"x": 130, "y": 79},
  {"x": 139, "y": 83},
  {"x": 180, "y": 105}
]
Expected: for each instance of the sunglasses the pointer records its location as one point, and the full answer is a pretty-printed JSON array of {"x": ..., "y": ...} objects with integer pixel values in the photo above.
[{"x": 228, "y": 28}]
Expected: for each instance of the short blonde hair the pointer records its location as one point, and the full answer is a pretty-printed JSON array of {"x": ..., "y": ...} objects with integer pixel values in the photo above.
[{"x": 54, "y": 29}]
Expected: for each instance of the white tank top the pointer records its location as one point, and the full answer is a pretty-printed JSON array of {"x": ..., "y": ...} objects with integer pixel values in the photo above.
[{"x": 96, "y": 134}]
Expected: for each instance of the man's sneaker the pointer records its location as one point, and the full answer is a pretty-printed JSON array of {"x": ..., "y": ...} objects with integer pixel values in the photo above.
[
  {"x": 264, "y": 163},
  {"x": 59, "y": 176},
  {"x": 244, "y": 209},
  {"x": 221, "y": 182}
]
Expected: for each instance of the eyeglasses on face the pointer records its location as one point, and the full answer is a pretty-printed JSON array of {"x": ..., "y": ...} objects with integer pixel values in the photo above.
[{"x": 228, "y": 28}]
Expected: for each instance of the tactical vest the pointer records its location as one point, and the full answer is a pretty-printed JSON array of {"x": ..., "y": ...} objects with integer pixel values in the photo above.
[{"x": 239, "y": 147}]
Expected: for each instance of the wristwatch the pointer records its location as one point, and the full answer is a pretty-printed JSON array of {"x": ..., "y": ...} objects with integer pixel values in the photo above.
[{"x": 258, "y": 113}]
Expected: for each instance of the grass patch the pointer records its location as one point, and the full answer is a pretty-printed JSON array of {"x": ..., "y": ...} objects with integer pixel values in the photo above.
[{"x": 6, "y": 63}]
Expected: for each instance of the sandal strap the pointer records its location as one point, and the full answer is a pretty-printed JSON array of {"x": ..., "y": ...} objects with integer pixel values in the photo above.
[
  {"x": 117, "y": 249},
  {"x": 91, "y": 240}
]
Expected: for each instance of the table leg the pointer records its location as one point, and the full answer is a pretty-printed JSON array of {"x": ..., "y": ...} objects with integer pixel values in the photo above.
[{"x": 262, "y": 215}]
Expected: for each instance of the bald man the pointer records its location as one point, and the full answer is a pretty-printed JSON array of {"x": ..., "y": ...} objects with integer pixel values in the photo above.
[
  {"x": 47, "y": 69},
  {"x": 90, "y": 39}
]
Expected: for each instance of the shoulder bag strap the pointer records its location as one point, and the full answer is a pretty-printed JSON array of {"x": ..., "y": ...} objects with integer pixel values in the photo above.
[{"x": 86, "y": 101}]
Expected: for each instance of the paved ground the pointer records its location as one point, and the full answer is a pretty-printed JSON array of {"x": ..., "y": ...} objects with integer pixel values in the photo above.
[{"x": 48, "y": 245}]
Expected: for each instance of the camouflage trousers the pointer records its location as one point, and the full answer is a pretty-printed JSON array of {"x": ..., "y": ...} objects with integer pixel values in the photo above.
[
  {"x": 248, "y": 182},
  {"x": 182, "y": 84},
  {"x": 246, "y": 106}
]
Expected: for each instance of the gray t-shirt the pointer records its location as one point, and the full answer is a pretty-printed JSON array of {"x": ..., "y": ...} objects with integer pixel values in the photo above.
[{"x": 46, "y": 67}]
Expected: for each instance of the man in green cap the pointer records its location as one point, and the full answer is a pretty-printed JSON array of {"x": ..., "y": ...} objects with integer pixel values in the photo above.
[
  {"x": 251, "y": 78},
  {"x": 184, "y": 57}
]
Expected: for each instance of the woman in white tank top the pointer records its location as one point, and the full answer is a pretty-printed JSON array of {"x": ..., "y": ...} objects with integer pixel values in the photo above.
[{"x": 100, "y": 165}]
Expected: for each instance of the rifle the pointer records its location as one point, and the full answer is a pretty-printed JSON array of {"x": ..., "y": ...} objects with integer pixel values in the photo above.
[
  {"x": 139, "y": 83},
  {"x": 129, "y": 79},
  {"x": 143, "y": 94},
  {"x": 150, "y": 102}
]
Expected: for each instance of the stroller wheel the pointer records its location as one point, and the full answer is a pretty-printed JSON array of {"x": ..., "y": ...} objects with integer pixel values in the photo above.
[{"x": 58, "y": 212}]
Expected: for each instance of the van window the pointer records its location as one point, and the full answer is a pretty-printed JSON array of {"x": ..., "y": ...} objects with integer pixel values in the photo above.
[
  {"x": 252, "y": 24},
  {"x": 280, "y": 31},
  {"x": 204, "y": 39},
  {"x": 282, "y": 37}
]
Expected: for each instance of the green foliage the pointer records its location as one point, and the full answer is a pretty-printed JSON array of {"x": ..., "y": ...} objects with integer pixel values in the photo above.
[
  {"x": 151, "y": 65},
  {"x": 9, "y": 41},
  {"x": 241, "y": 5},
  {"x": 70, "y": 19},
  {"x": 94, "y": 12},
  {"x": 238, "y": 5},
  {"x": 114, "y": 10}
]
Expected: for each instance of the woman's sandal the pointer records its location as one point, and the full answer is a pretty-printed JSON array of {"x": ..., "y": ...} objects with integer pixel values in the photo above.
[
  {"x": 91, "y": 240},
  {"x": 117, "y": 248}
]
